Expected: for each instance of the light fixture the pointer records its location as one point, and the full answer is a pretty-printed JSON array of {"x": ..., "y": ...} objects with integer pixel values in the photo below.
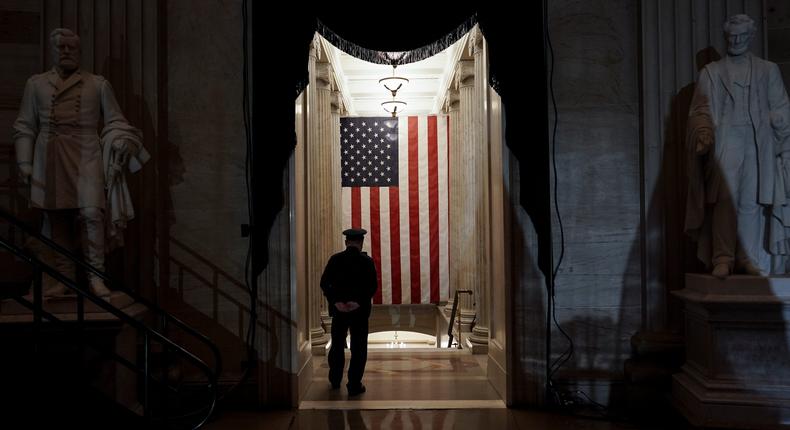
[
  {"x": 393, "y": 83},
  {"x": 394, "y": 106}
]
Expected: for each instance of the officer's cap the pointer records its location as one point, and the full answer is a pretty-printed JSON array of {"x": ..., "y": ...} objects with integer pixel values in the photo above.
[{"x": 355, "y": 233}]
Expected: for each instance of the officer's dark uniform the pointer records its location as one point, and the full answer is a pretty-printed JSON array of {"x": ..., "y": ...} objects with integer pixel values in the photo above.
[{"x": 349, "y": 276}]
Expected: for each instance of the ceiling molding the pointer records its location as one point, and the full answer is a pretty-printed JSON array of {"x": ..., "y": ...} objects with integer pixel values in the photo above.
[
  {"x": 357, "y": 81},
  {"x": 333, "y": 55},
  {"x": 447, "y": 78}
]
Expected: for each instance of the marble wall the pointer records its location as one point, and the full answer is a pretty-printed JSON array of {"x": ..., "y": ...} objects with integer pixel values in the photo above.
[
  {"x": 778, "y": 32},
  {"x": 598, "y": 286},
  {"x": 209, "y": 203},
  {"x": 207, "y": 199}
]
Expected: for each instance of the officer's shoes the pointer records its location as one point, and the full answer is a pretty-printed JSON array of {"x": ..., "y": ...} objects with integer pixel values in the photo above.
[{"x": 355, "y": 391}]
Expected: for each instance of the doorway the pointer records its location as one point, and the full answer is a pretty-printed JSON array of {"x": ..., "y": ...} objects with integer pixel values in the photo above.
[{"x": 450, "y": 102}]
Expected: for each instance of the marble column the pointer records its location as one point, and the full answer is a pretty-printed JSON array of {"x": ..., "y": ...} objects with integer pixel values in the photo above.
[
  {"x": 320, "y": 225},
  {"x": 466, "y": 244},
  {"x": 452, "y": 109},
  {"x": 482, "y": 225}
]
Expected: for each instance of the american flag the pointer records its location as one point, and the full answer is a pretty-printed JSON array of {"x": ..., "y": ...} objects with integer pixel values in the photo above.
[{"x": 394, "y": 175}]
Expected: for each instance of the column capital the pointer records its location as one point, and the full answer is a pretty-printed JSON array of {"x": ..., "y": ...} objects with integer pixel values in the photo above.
[
  {"x": 323, "y": 76},
  {"x": 464, "y": 74},
  {"x": 476, "y": 41},
  {"x": 452, "y": 101},
  {"x": 315, "y": 47},
  {"x": 336, "y": 102}
]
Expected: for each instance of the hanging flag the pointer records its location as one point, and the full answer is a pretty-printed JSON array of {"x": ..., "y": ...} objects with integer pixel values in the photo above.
[{"x": 394, "y": 176}]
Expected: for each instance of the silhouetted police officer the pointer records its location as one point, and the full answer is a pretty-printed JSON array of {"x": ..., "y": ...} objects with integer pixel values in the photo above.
[{"x": 349, "y": 282}]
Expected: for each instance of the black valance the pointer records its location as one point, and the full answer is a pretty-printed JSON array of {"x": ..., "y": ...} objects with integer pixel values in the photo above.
[{"x": 403, "y": 35}]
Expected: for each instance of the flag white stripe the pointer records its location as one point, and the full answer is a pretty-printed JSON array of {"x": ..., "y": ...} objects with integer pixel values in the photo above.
[
  {"x": 403, "y": 188},
  {"x": 365, "y": 218},
  {"x": 386, "y": 270},
  {"x": 345, "y": 196},
  {"x": 425, "y": 227}
]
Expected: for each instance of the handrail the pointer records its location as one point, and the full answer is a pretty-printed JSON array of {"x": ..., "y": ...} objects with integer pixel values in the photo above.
[
  {"x": 148, "y": 332},
  {"x": 452, "y": 318},
  {"x": 115, "y": 285}
]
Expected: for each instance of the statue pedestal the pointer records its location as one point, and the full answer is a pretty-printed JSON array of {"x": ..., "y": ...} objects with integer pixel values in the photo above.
[
  {"x": 737, "y": 369},
  {"x": 62, "y": 363}
]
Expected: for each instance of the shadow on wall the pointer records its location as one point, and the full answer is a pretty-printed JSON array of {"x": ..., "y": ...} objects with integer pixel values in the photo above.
[
  {"x": 527, "y": 288},
  {"x": 647, "y": 373}
]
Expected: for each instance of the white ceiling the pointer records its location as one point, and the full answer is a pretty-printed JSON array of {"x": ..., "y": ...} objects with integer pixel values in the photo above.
[{"x": 358, "y": 81}]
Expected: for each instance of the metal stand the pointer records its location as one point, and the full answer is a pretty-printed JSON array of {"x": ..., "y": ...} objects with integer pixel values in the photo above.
[{"x": 453, "y": 315}]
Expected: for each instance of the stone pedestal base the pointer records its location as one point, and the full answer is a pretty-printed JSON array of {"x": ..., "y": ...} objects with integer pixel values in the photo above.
[
  {"x": 103, "y": 331},
  {"x": 318, "y": 341},
  {"x": 737, "y": 370},
  {"x": 326, "y": 322},
  {"x": 478, "y": 340},
  {"x": 467, "y": 319},
  {"x": 655, "y": 357}
]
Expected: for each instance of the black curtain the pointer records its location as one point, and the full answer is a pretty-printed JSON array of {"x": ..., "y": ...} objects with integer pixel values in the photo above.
[{"x": 280, "y": 56}]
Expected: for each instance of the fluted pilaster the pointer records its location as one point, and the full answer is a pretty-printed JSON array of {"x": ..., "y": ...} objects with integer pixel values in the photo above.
[
  {"x": 319, "y": 206},
  {"x": 462, "y": 173},
  {"x": 479, "y": 337},
  {"x": 334, "y": 240},
  {"x": 452, "y": 109}
]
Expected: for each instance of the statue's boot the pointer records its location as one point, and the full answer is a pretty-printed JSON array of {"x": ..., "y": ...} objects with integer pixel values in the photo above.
[
  {"x": 721, "y": 270},
  {"x": 750, "y": 268},
  {"x": 97, "y": 287},
  {"x": 92, "y": 238}
]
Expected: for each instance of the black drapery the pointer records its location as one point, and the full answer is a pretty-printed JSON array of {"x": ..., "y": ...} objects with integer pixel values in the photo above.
[{"x": 280, "y": 56}]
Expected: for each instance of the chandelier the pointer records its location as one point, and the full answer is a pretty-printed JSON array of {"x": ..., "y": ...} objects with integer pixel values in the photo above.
[
  {"x": 394, "y": 106},
  {"x": 393, "y": 84}
]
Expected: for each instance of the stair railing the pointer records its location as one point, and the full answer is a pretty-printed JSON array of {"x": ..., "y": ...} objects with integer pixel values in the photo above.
[{"x": 148, "y": 333}]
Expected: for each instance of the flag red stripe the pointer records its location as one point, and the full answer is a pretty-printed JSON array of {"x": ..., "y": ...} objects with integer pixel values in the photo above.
[
  {"x": 433, "y": 206},
  {"x": 356, "y": 207},
  {"x": 375, "y": 239},
  {"x": 395, "y": 244},
  {"x": 414, "y": 211}
]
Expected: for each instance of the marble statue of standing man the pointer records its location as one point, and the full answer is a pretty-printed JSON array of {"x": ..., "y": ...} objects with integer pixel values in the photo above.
[
  {"x": 72, "y": 172},
  {"x": 738, "y": 128}
]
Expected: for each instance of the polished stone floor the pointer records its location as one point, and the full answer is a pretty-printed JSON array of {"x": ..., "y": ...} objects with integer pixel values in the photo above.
[
  {"x": 414, "y": 379},
  {"x": 439, "y": 419},
  {"x": 408, "y": 389}
]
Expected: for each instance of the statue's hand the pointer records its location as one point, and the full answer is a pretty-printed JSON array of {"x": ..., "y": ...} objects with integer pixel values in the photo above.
[
  {"x": 25, "y": 172},
  {"x": 123, "y": 147},
  {"x": 704, "y": 142}
]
